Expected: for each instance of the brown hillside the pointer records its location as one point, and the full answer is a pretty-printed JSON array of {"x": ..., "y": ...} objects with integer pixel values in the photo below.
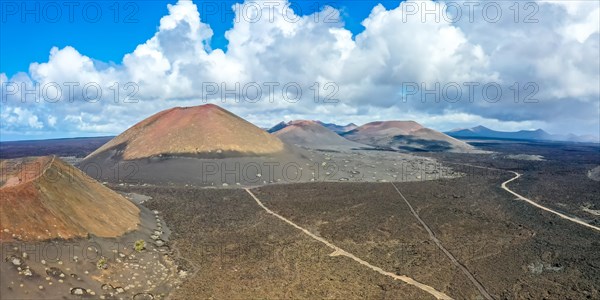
[
  {"x": 313, "y": 135},
  {"x": 45, "y": 198},
  {"x": 406, "y": 135},
  {"x": 192, "y": 130}
]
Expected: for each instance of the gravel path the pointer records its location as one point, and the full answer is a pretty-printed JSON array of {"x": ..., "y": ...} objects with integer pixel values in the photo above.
[{"x": 338, "y": 251}]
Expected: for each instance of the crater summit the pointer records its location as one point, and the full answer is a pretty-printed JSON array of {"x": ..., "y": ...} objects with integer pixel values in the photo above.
[{"x": 203, "y": 131}]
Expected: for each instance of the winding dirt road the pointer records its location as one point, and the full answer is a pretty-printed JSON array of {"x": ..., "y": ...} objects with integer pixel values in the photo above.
[
  {"x": 439, "y": 295},
  {"x": 337, "y": 251},
  {"x": 520, "y": 197}
]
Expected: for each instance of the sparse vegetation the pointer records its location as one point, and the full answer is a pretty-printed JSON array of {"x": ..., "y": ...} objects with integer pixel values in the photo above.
[
  {"x": 102, "y": 263},
  {"x": 139, "y": 245}
]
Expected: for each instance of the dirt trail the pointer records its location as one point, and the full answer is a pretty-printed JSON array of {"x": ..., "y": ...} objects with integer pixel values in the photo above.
[
  {"x": 472, "y": 278},
  {"x": 338, "y": 251},
  {"x": 520, "y": 197},
  {"x": 578, "y": 221}
]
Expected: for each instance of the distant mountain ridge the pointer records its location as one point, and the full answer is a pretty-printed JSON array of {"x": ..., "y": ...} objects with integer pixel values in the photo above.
[
  {"x": 277, "y": 127},
  {"x": 331, "y": 126},
  {"x": 338, "y": 128},
  {"x": 534, "y": 135}
]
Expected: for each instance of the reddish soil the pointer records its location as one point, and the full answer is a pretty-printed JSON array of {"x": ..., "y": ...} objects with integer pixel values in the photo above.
[
  {"x": 192, "y": 130},
  {"x": 44, "y": 198},
  {"x": 406, "y": 135},
  {"x": 313, "y": 135}
]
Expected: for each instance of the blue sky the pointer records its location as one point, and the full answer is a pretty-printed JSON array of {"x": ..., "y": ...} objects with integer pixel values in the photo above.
[
  {"x": 377, "y": 59},
  {"x": 122, "y": 26},
  {"x": 23, "y": 40}
]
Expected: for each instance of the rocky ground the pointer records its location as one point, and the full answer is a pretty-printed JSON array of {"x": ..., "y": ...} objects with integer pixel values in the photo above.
[
  {"x": 98, "y": 268},
  {"x": 559, "y": 181},
  {"x": 594, "y": 174},
  {"x": 515, "y": 250},
  {"x": 223, "y": 245},
  {"x": 239, "y": 251},
  {"x": 315, "y": 166}
]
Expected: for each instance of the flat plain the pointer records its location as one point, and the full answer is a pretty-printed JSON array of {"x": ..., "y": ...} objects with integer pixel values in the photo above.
[{"x": 515, "y": 250}]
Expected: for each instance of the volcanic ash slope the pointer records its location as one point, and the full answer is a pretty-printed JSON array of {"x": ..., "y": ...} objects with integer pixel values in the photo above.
[
  {"x": 45, "y": 198},
  {"x": 311, "y": 134},
  {"x": 199, "y": 130},
  {"x": 406, "y": 135},
  {"x": 201, "y": 145}
]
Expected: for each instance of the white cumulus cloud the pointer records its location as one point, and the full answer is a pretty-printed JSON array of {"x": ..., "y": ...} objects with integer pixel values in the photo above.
[{"x": 271, "y": 46}]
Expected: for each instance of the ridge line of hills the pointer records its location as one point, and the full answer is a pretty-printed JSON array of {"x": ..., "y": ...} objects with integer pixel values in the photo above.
[{"x": 530, "y": 135}]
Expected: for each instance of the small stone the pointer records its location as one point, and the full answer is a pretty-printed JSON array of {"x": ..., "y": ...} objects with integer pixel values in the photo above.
[
  {"x": 16, "y": 261},
  {"x": 78, "y": 291}
]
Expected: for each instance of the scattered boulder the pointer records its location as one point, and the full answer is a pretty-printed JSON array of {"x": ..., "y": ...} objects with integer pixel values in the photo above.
[
  {"x": 55, "y": 272},
  {"x": 143, "y": 296},
  {"x": 594, "y": 174},
  {"x": 77, "y": 291},
  {"x": 17, "y": 262}
]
